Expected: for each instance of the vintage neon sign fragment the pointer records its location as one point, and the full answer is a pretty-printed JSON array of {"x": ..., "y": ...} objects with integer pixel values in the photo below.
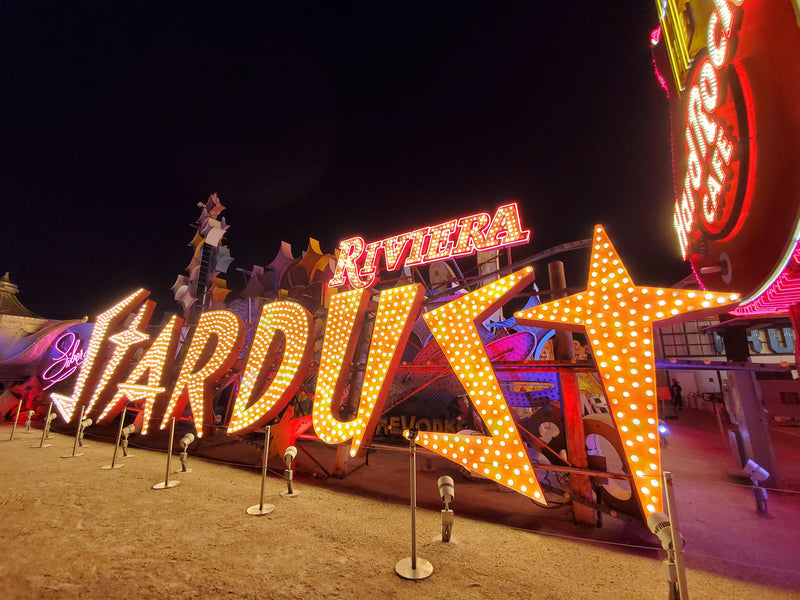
[{"x": 358, "y": 262}]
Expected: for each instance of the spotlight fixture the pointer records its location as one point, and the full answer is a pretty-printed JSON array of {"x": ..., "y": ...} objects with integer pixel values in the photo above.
[
  {"x": 84, "y": 425},
  {"x": 30, "y": 415},
  {"x": 663, "y": 433},
  {"x": 447, "y": 492},
  {"x": 49, "y": 421},
  {"x": 757, "y": 474},
  {"x": 661, "y": 526},
  {"x": 127, "y": 431},
  {"x": 288, "y": 475},
  {"x": 185, "y": 442}
]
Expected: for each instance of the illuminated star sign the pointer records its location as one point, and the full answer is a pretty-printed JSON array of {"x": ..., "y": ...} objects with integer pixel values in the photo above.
[
  {"x": 501, "y": 456},
  {"x": 618, "y": 318}
]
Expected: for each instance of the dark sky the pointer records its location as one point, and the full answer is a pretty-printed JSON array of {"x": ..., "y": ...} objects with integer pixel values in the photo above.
[{"x": 324, "y": 120}]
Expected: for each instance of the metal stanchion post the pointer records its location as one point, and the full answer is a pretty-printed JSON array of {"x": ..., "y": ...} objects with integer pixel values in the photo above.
[
  {"x": 166, "y": 484},
  {"x": 113, "y": 464},
  {"x": 77, "y": 436},
  {"x": 262, "y": 509},
  {"x": 677, "y": 541},
  {"x": 14, "y": 425},
  {"x": 413, "y": 567},
  {"x": 45, "y": 429}
]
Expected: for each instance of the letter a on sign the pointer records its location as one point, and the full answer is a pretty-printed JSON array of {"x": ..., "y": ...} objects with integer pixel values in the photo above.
[{"x": 500, "y": 456}]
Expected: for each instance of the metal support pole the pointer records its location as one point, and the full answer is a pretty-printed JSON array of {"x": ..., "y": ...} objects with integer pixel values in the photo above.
[
  {"x": 413, "y": 567},
  {"x": 16, "y": 418},
  {"x": 571, "y": 405},
  {"x": 77, "y": 436},
  {"x": 166, "y": 484},
  {"x": 113, "y": 464},
  {"x": 677, "y": 541},
  {"x": 45, "y": 429},
  {"x": 262, "y": 509}
]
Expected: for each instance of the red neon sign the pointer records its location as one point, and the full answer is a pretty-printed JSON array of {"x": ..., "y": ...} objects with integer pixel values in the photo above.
[
  {"x": 358, "y": 261},
  {"x": 69, "y": 356},
  {"x": 711, "y": 202}
]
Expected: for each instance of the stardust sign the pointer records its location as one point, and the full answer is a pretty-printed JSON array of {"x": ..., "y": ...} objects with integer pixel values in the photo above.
[{"x": 616, "y": 315}]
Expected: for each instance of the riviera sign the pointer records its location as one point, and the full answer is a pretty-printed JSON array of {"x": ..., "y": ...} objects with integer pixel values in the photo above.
[{"x": 358, "y": 261}]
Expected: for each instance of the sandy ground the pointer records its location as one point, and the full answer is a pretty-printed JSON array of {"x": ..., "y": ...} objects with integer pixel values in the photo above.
[{"x": 71, "y": 530}]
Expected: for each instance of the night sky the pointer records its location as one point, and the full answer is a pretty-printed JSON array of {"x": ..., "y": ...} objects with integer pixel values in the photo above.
[{"x": 325, "y": 120}]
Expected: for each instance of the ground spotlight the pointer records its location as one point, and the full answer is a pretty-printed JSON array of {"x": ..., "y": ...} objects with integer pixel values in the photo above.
[
  {"x": 757, "y": 474},
  {"x": 661, "y": 526},
  {"x": 663, "y": 433},
  {"x": 127, "y": 431},
  {"x": 185, "y": 443},
  {"x": 48, "y": 422},
  {"x": 86, "y": 423},
  {"x": 447, "y": 492},
  {"x": 288, "y": 475},
  {"x": 30, "y": 415}
]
